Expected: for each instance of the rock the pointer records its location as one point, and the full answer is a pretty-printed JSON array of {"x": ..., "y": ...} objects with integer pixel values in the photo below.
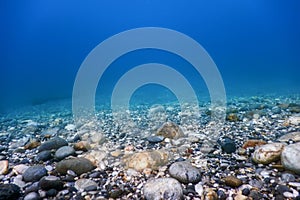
[
  {"x": 54, "y": 143},
  {"x": 85, "y": 184},
  {"x": 33, "y": 143},
  {"x": 290, "y": 157},
  {"x": 232, "y": 181},
  {"x": 32, "y": 196},
  {"x": 232, "y": 117},
  {"x": 77, "y": 165},
  {"x": 227, "y": 145},
  {"x": 9, "y": 192},
  {"x": 20, "y": 169},
  {"x": 155, "y": 139},
  {"x": 163, "y": 188},
  {"x": 95, "y": 156},
  {"x": 146, "y": 159},
  {"x": 287, "y": 177},
  {"x": 267, "y": 153},
  {"x": 246, "y": 191},
  {"x": 43, "y": 156},
  {"x": 51, "y": 182},
  {"x": 51, "y": 193},
  {"x": 82, "y": 146},
  {"x": 253, "y": 143},
  {"x": 70, "y": 127},
  {"x": 116, "y": 153},
  {"x": 3, "y": 167},
  {"x": 210, "y": 194},
  {"x": 34, "y": 173},
  {"x": 64, "y": 152},
  {"x": 294, "y": 136},
  {"x": 185, "y": 172},
  {"x": 294, "y": 120},
  {"x": 170, "y": 130}
]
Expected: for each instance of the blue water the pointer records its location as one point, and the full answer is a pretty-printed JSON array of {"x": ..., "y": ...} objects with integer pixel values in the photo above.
[{"x": 255, "y": 44}]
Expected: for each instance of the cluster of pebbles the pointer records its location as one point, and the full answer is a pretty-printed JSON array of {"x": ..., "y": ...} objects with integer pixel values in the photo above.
[{"x": 153, "y": 153}]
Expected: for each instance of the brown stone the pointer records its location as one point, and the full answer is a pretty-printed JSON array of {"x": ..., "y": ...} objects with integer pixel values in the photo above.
[
  {"x": 3, "y": 167},
  {"x": 170, "y": 130},
  {"x": 253, "y": 143},
  {"x": 232, "y": 181},
  {"x": 82, "y": 146},
  {"x": 32, "y": 144}
]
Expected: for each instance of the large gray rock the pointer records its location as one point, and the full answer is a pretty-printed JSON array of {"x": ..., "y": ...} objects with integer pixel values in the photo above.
[
  {"x": 185, "y": 172},
  {"x": 163, "y": 188},
  {"x": 34, "y": 173},
  {"x": 64, "y": 152},
  {"x": 54, "y": 143},
  {"x": 77, "y": 165},
  {"x": 290, "y": 157},
  {"x": 267, "y": 153}
]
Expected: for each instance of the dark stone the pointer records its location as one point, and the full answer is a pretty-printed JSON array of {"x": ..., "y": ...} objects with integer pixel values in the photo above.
[
  {"x": 255, "y": 195},
  {"x": 77, "y": 165},
  {"x": 51, "y": 182},
  {"x": 34, "y": 173},
  {"x": 32, "y": 188},
  {"x": 221, "y": 195},
  {"x": 32, "y": 196},
  {"x": 246, "y": 191},
  {"x": 279, "y": 197},
  {"x": 9, "y": 192},
  {"x": 155, "y": 139},
  {"x": 51, "y": 193},
  {"x": 43, "y": 156},
  {"x": 282, "y": 189},
  {"x": 185, "y": 172},
  {"x": 64, "y": 152},
  {"x": 54, "y": 143},
  {"x": 227, "y": 145}
]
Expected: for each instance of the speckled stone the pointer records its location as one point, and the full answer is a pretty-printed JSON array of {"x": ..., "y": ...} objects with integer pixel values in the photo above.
[{"x": 185, "y": 172}]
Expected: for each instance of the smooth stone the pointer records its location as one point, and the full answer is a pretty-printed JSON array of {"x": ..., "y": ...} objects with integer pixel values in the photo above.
[
  {"x": 9, "y": 191},
  {"x": 233, "y": 181},
  {"x": 294, "y": 120},
  {"x": 170, "y": 130},
  {"x": 282, "y": 189},
  {"x": 147, "y": 159},
  {"x": 34, "y": 187},
  {"x": 267, "y": 153},
  {"x": 34, "y": 173},
  {"x": 32, "y": 196},
  {"x": 82, "y": 146},
  {"x": 85, "y": 184},
  {"x": 51, "y": 182},
  {"x": 43, "y": 156},
  {"x": 33, "y": 143},
  {"x": 253, "y": 143},
  {"x": 290, "y": 157},
  {"x": 20, "y": 169},
  {"x": 77, "y": 165},
  {"x": 54, "y": 143},
  {"x": 51, "y": 193},
  {"x": 287, "y": 177},
  {"x": 227, "y": 145},
  {"x": 64, "y": 152},
  {"x": 163, "y": 188},
  {"x": 3, "y": 167},
  {"x": 185, "y": 172},
  {"x": 294, "y": 136},
  {"x": 155, "y": 139}
]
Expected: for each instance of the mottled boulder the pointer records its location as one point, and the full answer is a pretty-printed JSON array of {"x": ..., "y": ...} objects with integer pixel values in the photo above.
[{"x": 267, "y": 153}]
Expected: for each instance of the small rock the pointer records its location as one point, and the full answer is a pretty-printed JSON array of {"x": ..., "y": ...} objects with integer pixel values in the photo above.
[
  {"x": 82, "y": 146},
  {"x": 163, "y": 188},
  {"x": 77, "y": 165},
  {"x": 295, "y": 136},
  {"x": 51, "y": 182},
  {"x": 54, "y": 143},
  {"x": 3, "y": 167},
  {"x": 64, "y": 152},
  {"x": 185, "y": 172},
  {"x": 267, "y": 153},
  {"x": 43, "y": 156},
  {"x": 232, "y": 181},
  {"x": 170, "y": 130},
  {"x": 155, "y": 139},
  {"x": 294, "y": 120},
  {"x": 116, "y": 153},
  {"x": 20, "y": 169},
  {"x": 70, "y": 127},
  {"x": 32, "y": 196},
  {"x": 227, "y": 145},
  {"x": 9, "y": 192},
  {"x": 33, "y": 143},
  {"x": 253, "y": 143},
  {"x": 232, "y": 117},
  {"x": 51, "y": 193},
  {"x": 290, "y": 157},
  {"x": 210, "y": 194},
  {"x": 84, "y": 184},
  {"x": 282, "y": 189},
  {"x": 34, "y": 173},
  {"x": 287, "y": 177},
  {"x": 246, "y": 191}
]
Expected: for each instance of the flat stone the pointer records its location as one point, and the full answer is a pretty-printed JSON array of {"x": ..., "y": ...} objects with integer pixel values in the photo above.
[
  {"x": 147, "y": 159},
  {"x": 185, "y": 172},
  {"x": 290, "y": 157},
  {"x": 34, "y": 173},
  {"x": 43, "y": 156},
  {"x": 294, "y": 136},
  {"x": 32, "y": 196},
  {"x": 267, "y": 153},
  {"x": 51, "y": 182},
  {"x": 3, "y": 167},
  {"x": 9, "y": 191},
  {"x": 77, "y": 165},
  {"x": 54, "y": 143},
  {"x": 170, "y": 130},
  {"x": 163, "y": 188},
  {"x": 84, "y": 184},
  {"x": 155, "y": 139},
  {"x": 233, "y": 181},
  {"x": 64, "y": 152}
]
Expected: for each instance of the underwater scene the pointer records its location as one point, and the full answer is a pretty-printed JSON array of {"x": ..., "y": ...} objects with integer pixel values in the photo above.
[{"x": 150, "y": 100}]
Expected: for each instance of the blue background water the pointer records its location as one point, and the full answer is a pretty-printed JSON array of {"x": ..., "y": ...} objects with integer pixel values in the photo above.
[{"x": 255, "y": 44}]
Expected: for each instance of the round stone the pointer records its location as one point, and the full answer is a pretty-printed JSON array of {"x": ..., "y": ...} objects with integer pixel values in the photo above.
[
  {"x": 85, "y": 184},
  {"x": 32, "y": 196},
  {"x": 54, "y": 143},
  {"x": 290, "y": 157},
  {"x": 267, "y": 153},
  {"x": 9, "y": 191},
  {"x": 77, "y": 165},
  {"x": 232, "y": 181},
  {"x": 185, "y": 172},
  {"x": 163, "y": 188},
  {"x": 34, "y": 173},
  {"x": 64, "y": 152}
]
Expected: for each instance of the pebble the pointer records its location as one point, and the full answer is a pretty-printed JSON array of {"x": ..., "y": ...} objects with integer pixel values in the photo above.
[
  {"x": 253, "y": 143},
  {"x": 85, "y": 184},
  {"x": 34, "y": 173},
  {"x": 70, "y": 127},
  {"x": 64, "y": 152},
  {"x": 54, "y": 143},
  {"x": 287, "y": 177},
  {"x": 290, "y": 157},
  {"x": 32, "y": 196},
  {"x": 295, "y": 136},
  {"x": 77, "y": 165},
  {"x": 267, "y": 153},
  {"x": 33, "y": 143},
  {"x": 51, "y": 182},
  {"x": 227, "y": 145},
  {"x": 82, "y": 146},
  {"x": 170, "y": 130},
  {"x": 43, "y": 156},
  {"x": 185, "y": 172},
  {"x": 163, "y": 188},
  {"x": 155, "y": 139},
  {"x": 9, "y": 191},
  {"x": 232, "y": 181},
  {"x": 20, "y": 169},
  {"x": 3, "y": 167}
]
